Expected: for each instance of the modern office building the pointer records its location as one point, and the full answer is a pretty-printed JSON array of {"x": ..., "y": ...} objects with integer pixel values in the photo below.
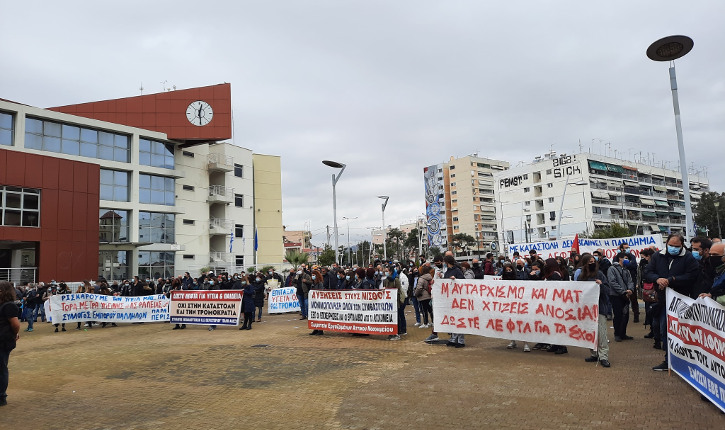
[
  {"x": 170, "y": 193},
  {"x": 589, "y": 191},
  {"x": 459, "y": 197}
]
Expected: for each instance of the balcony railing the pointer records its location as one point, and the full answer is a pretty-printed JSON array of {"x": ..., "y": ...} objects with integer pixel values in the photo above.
[
  {"x": 220, "y": 226},
  {"x": 18, "y": 275},
  {"x": 219, "y": 256},
  {"x": 220, "y": 162},
  {"x": 220, "y": 194}
]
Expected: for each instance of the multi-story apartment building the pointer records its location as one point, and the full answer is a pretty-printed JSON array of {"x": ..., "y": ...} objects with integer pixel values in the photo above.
[
  {"x": 588, "y": 191},
  {"x": 169, "y": 194},
  {"x": 459, "y": 197}
]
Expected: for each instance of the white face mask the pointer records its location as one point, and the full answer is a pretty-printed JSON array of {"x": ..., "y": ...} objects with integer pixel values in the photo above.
[{"x": 299, "y": 272}]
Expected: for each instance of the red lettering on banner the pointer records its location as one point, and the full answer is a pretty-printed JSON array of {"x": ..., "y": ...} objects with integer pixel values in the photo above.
[
  {"x": 578, "y": 334},
  {"x": 444, "y": 289},
  {"x": 387, "y": 294},
  {"x": 538, "y": 293},
  {"x": 486, "y": 306},
  {"x": 511, "y": 307},
  {"x": 495, "y": 325},
  {"x": 560, "y": 328},
  {"x": 541, "y": 328},
  {"x": 566, "y": 295},
  {"x": 462, "y": 304}
]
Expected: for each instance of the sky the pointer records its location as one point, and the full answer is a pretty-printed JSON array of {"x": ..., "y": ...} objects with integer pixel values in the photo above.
[{"x": 389, "y": 87}]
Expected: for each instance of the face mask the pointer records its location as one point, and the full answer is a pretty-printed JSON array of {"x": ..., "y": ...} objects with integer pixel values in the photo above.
[
  {"x": 347, "y": 277},
  {"x": 509, "y": 271},
  {"x": 673, "y": 250},
  {"x": 339, "y": 277},
  {"x": 624, "y": 261},
  {"x": 715, "y": 261},
  {"x": 244, "y": 282},
  {"x": 270, "y": 272},
  {"x": 596, "y": 257},
  {"x": 387, "y": 274},
  {"x": 538, "y": 272},
  {"x": 520, "y": 267},
  {"x": 299, "y": 272},
  {"x": 314, "y": 276},
  {"x": 592, "y": 266},
  {"x": 697, "y": 255},
  {"x": 257, "y": 279}
]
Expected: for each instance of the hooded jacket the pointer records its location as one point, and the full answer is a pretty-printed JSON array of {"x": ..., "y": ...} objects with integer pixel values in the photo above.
[
  {"x": 422, "y": 288},
  {"x": 620, "y": 280}
]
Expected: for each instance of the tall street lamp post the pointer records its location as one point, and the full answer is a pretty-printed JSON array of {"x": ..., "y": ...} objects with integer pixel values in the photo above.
[
  {"x": 349, "y": 258},
  {"x": 385, "y": 235},
  {"x": 335, "y": 178},
  {"x": 669, "y": 49},
  {"x": 717, "y": 214}
]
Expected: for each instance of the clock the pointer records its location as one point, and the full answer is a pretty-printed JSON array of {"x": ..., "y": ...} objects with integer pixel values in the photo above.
[{"x": 199, "y": 113}]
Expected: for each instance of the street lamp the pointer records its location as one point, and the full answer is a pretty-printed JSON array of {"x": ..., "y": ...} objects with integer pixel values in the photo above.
[
  {"x": 335, "y": 178},
  {"x": 669, "y": 49},
  {"x": 561, "y": 207},
  {"x": 717, "y": 214},
  {"x": 349, "y": 258},
  {"x": 385, "y": 251}
]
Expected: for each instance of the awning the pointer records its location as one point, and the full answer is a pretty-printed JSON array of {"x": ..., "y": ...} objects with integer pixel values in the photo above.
[
  {"x": 632, "y": 222},
  {"x": 662, "y": 203},
  {"x": 631, "y": 183},
  {"x": 647, "y": 201},
  {"x": 630, "y": 168},
  {"x": 615, "y": 194},
  {"x": 654, "y": 227},
  {"x": 600, "y": 194},
  {"x": 663, "y": 229},
  {"x": 660, "y": 188},
  {"x": 597, "y": 165},
  {"x": 652, "y": 214},
  {"x": 660, "y": 213},
  {"x": 614, "y": 168}
]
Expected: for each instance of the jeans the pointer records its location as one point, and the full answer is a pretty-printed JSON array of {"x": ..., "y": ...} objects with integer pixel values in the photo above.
[
  {"x": 402, "y": 324},
  {"x": 4, "y": 357},
  {"x": 620, "y": 308},
  {"x": 416, "y": 306},
  {"x": 303, "y": 304},
  {"x": 259, "y": 312},
  {"x": 32, "y": 315},
  {"x": 457, "y": 338}
]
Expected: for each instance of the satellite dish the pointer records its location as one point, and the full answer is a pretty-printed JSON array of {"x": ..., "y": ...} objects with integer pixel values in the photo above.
[{"x": 494, "y": 246}]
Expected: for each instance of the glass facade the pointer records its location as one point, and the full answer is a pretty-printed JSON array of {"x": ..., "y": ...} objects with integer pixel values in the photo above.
[
  {"x": 154, "y": 265},
  {"x": 113, "y": 225},
  {"x": 19, "y": 207},
  {"x": 6, "y": 129},
  {"x": 156, "y": 227},
  {"x": 113, "y": 265},
  {"x": 156, "y": 190},
  {"x": 157, "y": 154},
  {"x": 73, "y": 140},
  {"x": 114, "y": 185}
]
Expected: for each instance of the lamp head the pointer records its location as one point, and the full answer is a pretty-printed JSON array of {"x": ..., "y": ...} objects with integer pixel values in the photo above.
[
  {"x": 670, "y": 48},
  {"x": 333, "y": 164}
]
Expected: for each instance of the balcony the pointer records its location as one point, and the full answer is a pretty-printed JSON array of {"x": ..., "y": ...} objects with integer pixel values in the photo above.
[
  {"x": 220, "y": 194},
  {"x": 220, "y": 226},
  {"x": 220, "y": 163},
  {"x": 219, "y": 257}
]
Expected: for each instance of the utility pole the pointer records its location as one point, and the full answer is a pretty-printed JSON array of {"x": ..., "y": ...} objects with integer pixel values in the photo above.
[{"x": 328, "y": 235}]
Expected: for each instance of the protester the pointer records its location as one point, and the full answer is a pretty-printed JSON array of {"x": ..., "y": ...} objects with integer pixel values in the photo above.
[
  {"x": 391, "y": 280},
  {"x": 717, "y": 262},
  {"x": 317, "y": 284},
  {"x": 259, "y": 291},
  {"x": 509, "y": 274},
  {"x": 422, "y": 292},
  {"x": 248, "y": 303},
  {"x": 302, "y": 283},
  {"x": 621, "y": 287},
  {"x": 589, "y": 271},
  {"x": 552, "y": 272},
  {"x": 9, "y": 329},
  {"x": 454, "y": 272}
]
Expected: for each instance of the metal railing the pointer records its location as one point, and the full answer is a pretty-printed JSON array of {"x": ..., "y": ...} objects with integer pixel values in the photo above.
[{"x": 18, "y": 275}]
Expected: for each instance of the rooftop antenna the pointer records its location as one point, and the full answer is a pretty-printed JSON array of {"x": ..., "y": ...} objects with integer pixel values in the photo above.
[
  {"x": 580, "y": 146},
  {"x": 608, "y": 147},
  {"x": 141, "y": 88}
]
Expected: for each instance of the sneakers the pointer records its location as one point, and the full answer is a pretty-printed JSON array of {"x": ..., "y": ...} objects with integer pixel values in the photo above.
[
  {"x": 591, "y": 359},
  {"x": 431, "y": 338},
  {"x": 511, "y": 345},
  {"x": 605, "y": 363},
  {"x": 625, "y": 337},
  {"x": 28, "y": 329},
  {"x": 662, "y": 367},
  {"x": 423, "y": 326},
  {"x": 561, "y": 350},
  {"x": 211, "y": 328},
  {"x": 416, "y": 324},
  {"x": 526, "y": 347},
  {"x": 449, "y": 343},
  {"x": 394, "y": 337},
  {"x": 460, "y": 345}
]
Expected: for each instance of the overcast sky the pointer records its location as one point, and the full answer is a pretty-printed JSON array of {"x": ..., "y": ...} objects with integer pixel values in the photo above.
[{"x": 389, "y": 87}]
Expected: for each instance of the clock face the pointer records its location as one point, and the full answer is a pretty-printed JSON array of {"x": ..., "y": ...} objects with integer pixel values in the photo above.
[{"x": 199, "y": 113}]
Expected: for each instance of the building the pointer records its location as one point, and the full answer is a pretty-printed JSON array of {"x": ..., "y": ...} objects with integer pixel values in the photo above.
[
  {"x": 588, "y": 191},
  {"x": 459, "y": 198},
  {"x": 169, "y": 193}
]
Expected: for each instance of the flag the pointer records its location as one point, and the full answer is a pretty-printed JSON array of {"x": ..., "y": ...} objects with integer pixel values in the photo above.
[
  {"x": 575, "y": 244},
  {"x": 256, "y": 240},
  {"x": 231, "y": 240}
]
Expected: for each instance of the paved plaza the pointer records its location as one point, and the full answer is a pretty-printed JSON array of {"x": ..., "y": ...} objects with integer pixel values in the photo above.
[{"x": 147, "y": 376}]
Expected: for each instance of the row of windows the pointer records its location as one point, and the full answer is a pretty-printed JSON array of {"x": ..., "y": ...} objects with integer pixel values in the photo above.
[
  {"x": 72, "y": 140},
  {"x": 19, "y": 207},
  {"x": 6, "y": 129},
  {"x": 157, "y": 154},
  {"x": 153, "y": 189}
]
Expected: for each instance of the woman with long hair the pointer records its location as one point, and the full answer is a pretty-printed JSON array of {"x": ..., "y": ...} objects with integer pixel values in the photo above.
[
  {"x": 552, "y": 272},
  {"x": 589, "y": 271},
  {"x": 9, "y": 329}
]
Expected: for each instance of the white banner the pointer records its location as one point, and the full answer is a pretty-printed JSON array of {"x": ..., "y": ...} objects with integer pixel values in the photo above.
[
  {"x": 282, "y": 300},
  {"x": 118, "y": 309},
  {"x": 560, "y": 313},
  {"x": 354, "y": 311},
  {"x": 555, "y": 248},
  {"x": 696, "y": 344}
]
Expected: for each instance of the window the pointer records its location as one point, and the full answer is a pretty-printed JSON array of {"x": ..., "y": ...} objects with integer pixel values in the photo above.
[
  {"x": 549, "y": 185},
  {"x": 454, "y": 192},
  {"x": 191, "y": 155},
  {"x": 453, "y": 167},
  {"x": 6, "y": 129},
  {"x": 526, "y": 176},
  {"x": 157, "y": 190},
  {"x": 114, "y": 185},
  {"x": 527, "y": 203},
  {"x": 552, "y": 215},
  {"x": 238, "y": 170},
  {"x": 188, "y": 256},
  {"x": 156, "y": 227},
  {"x": 453, "y": 175},
  {"x": 157, "y": 154},
  {"x": 596, "y": 210},
  {"x": 453, "y": 184},
  {"x": 113, "y": 265},
  {"x": 527, "y": 189},
  {"x": 551, "y": 200},
  {"x": 239, "y": 200},
  {"x": 188, "y": 188},
  {"x": 154, "y": 265},
  {"x": 113, "y": 225},
  {"x": 238, "y": 230},
  {"x": 455, "y": 218},
  {"x": 239, "y": 260},
  {"x": 73, "y": 140},
  {"x": 19, "y": 207},
  {"x": 189, "y": 221}
]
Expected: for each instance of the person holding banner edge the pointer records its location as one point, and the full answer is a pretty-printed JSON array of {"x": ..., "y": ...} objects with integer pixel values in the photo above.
[
  {"x": 589, "y": 271},
  {"x": 621, "y": 288}
]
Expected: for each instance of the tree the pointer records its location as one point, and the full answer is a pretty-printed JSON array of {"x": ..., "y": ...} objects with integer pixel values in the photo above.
[
  {"x": 611, "y": 231},
  {"x": 327, "y": 257},
  {"x": 706, "y": 214},
  {"x": 295, "y": 258},
  {"x": 435, "y": 251},
  {"x": 463, "y": 241}
]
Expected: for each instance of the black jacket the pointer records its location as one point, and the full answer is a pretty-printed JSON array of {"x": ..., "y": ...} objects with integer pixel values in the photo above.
[
  {"x": 680, "y": 270},
  {"x": 455, "y": 272}
]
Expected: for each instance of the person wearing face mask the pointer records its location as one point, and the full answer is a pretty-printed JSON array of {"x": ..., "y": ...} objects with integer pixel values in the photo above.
[
  {"x": 632, "y": 267},
  {"x": 272, "y": 275},
  {"x": 453, "y": 272},
  {"x": 673, "y": 267},
  {"x": 647, "y": 291},
  {"x": 520, "y": 270},
  {"x": 701, "y": 251},
  {"x": 621, "y": 287},
  {"x": 509, "y": 274},
  {"x": 716, "y": 261},
  {"x": 589, "y": 271},
  {"x": 369, "y": 283},
  {"x": 359, "y": 279},
  {"x": 303, "y": 283},
  {"x": 259, "y": 290},
  {"x": 247, "y": 301},
  {"x": 535, "y": 273},
  {"x": 391, "y": 280},
  {"x": 317, "y": 284},
  {"x": 438, "y": 267}
]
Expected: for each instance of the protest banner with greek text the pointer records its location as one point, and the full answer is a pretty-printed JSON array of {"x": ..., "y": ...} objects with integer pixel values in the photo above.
[
  {"x": 558, "y": 312},
  {"x": 354, "y": 311},
  {"x": 79, "y": 307},
  {"x": 696, "y": 344},
  {"x": 201, "y": 307},
  {"x": 562, "y": 247},
  {"x": 283, "y": 300}
]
